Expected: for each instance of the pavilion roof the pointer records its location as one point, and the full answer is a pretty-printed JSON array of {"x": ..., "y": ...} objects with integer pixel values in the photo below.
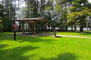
[{"x": 38, "y": 19}]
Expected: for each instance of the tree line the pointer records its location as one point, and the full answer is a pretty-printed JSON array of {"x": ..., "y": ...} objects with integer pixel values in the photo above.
[
  {"x": 7, "y": 15},
  {"x": 61, "y": 14}
]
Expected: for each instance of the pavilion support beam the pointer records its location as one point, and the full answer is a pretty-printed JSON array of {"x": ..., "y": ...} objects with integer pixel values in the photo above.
[
  {"x": 23, "y": 27},
  {"x": 35, "y": 28},
  {"x": 19, "y": 26},
  {"x": 29, "y": 27}
]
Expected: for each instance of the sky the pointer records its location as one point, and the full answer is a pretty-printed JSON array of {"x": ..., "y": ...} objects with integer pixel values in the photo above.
[
  {"x": 23, "y": 4},
  {"x": 89, "y": 1}
]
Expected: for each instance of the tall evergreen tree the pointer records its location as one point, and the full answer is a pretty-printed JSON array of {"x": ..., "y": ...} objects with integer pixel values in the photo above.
[{"x": 79, "y": 11}]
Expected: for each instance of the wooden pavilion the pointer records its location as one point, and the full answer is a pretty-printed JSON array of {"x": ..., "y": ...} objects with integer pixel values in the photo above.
[{"x": 31, "y": 21}]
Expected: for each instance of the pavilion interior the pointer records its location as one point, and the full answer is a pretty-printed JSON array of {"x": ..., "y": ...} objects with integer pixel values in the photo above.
[{"x": 32, "y": 25}]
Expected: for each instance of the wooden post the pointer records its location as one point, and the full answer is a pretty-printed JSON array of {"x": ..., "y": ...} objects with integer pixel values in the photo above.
[
  {"x": 19, "y": 26},
  {"x": 23, "y": 27},
  {"x": 15, "y": 35},
  {"x": 28, "y": 27},
  {"x": 14, "y": 29},
  {"x": 35, "y": 28}
]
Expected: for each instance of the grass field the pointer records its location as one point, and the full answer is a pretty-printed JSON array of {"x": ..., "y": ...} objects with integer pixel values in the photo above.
[
  {"x": 45, "y": 48},
  {"x": 84, "y": 34}
]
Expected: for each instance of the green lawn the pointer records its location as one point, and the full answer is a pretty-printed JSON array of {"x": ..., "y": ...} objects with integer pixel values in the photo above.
[
  {"x": 86, "y": 34},
  {"x": 44, "y": 48}
]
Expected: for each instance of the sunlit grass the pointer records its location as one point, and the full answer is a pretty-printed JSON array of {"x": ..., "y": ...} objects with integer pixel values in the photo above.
[
  {"x": 86, "y": 34},
  {"x": 44, "y": 48}
]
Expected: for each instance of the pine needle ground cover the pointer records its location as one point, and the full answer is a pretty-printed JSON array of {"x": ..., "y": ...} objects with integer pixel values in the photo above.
[{"x": 44, "y": 48}]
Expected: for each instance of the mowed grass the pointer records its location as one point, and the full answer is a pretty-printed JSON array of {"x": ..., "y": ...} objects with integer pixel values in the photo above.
[
  {"x": 84, "y": 34},
  {"x": 44, "y": 48}
]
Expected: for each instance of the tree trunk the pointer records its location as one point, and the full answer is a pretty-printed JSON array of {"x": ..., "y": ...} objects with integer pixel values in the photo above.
[
  {"x": 72, "y": 28},
  {"x": 19, "y": 26},
  {"x": 87, "y": 26},
  {"x": 75, "y": 28},
  {"x": 66, "y": 28},
  {"x": 82, "y": 23}
]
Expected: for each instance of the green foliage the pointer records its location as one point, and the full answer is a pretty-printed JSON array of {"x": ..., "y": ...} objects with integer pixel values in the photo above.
[
  {"x": 31, "y": 10},
  {"x": 72, "y": 9},
  {"x": 78, "y": 11},
  {"x": 7, "y": 14},
  {"x": 48, "y": 8},
  {"x": 1, "y": 16},
  {"x": 0, "y": 27},
  {"x": 88, "y": 5},
  {"x": 85, "y": 12},
  {"x": 57, "y": 7},
  {"x": 73, "y": 16}
]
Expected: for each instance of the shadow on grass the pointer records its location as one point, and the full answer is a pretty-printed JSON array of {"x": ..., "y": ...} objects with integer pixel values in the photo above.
[
  {"x": 15, "y": 53},
  {"x": 85, "y": 33},
  {"x": 45, "y": 34},
  {"x": 6, "y": 37},
  {"x": 22, "y": 38},
  {"x": 58, "y": 36},
  {"x": 65, "y": 56},
  {"x": 34, "y": 39},
  {"x": 18, "y": 54},
  {"x": 3, "y": 45}
]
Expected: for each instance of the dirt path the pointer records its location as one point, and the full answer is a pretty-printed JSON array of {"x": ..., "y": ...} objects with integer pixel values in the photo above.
[{"x": 73, "y": 36}]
